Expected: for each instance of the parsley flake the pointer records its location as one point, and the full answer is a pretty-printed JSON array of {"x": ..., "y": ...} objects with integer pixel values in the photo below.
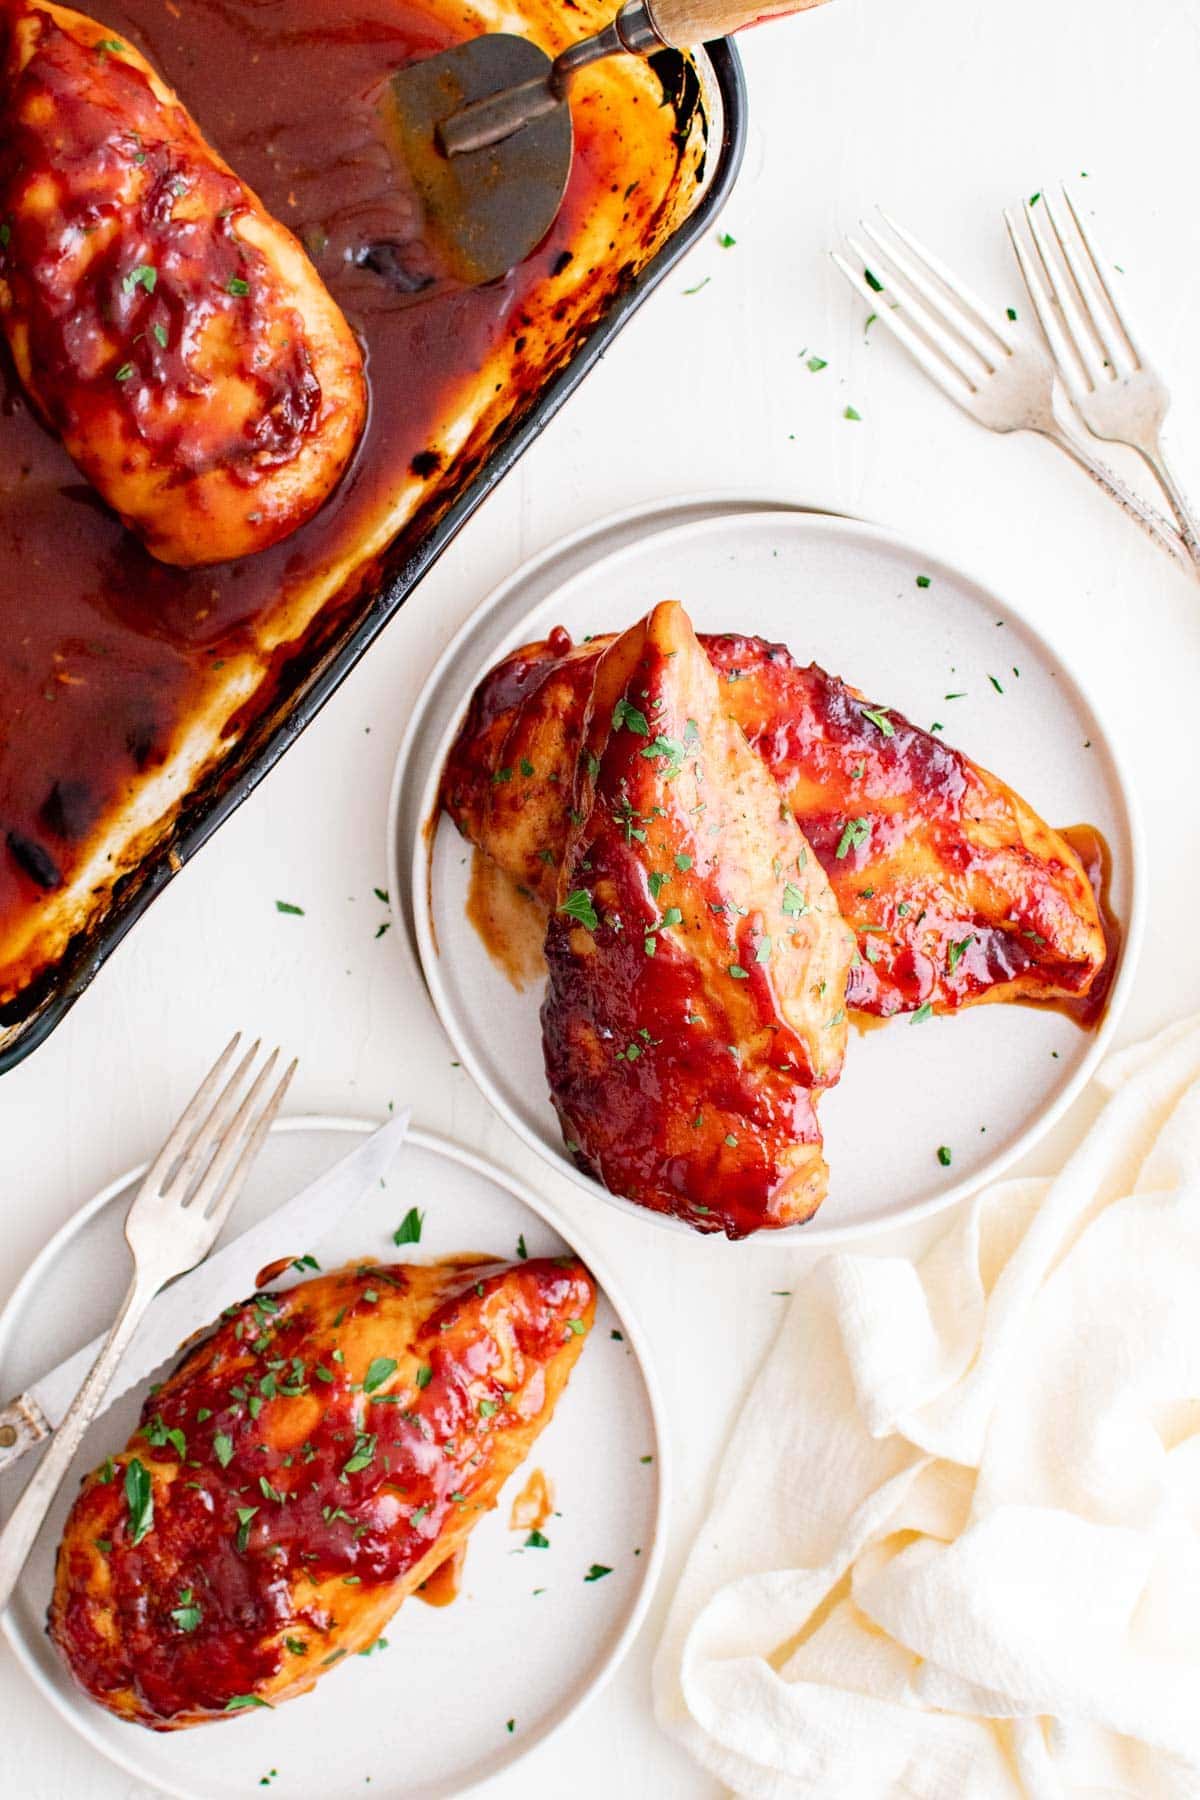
[
  {"x": 578, "y": 905},
  {"x": 139, "y": 1497}
]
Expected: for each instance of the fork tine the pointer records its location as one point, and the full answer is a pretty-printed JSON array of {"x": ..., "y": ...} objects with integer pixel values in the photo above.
[
  {"x": 215, "y": 1200},
  {"x": 987, "y": 345},
  {"x": 961, "y": 291},
  {"x": 958, "y": 354},
  {"x": 1096, "y": 311},
  {"x": 210, "y": 1131},
  {"x": 1062, "y": 294},
  {"x": 950, "y": 382},
  {"x": 226, "y": 1137},
  {"x": 1043, "y": 306},
  {"x": 192, "y": 1115},
  {"x": 1100, "y": 265}
]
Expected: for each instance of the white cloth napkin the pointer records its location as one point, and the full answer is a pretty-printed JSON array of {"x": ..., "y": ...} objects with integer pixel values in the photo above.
[{"x": 954, "y": 1548}]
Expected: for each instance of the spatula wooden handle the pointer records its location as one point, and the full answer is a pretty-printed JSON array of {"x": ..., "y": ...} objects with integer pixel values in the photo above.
[{"x": 683, "y": 23}]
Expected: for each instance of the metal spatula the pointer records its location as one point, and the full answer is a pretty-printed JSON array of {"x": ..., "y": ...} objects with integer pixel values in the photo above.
[{"x": 484, "y": 130}]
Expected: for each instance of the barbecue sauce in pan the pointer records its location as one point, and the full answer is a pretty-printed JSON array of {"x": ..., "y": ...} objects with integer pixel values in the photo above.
[{"x": 105, "y": 654}]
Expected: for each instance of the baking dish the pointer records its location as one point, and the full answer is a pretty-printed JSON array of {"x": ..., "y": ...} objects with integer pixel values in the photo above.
[{"x": 544, "y": 331}]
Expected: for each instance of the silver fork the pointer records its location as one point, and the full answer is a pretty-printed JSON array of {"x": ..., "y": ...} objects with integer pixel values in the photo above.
[
  {"x": 994, "y": 367},
  {"x": 1117, "y": 393},
  {"x": 171, "y": 1225}
]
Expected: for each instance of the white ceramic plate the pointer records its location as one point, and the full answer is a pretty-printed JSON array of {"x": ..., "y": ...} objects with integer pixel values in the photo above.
[
  {"x": 430, "y": 1715},
  {"x": 987, "y": 1083}
]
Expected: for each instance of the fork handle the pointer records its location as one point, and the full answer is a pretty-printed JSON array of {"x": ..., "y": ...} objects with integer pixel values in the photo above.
[
  {"x": 1189, "y": 524},
  {"x": 26, "y": 1519},
  {"x": 1151, "y": 522}
]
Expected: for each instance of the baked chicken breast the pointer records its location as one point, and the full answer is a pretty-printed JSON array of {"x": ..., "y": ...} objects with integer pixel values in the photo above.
[
  {"x": 697, "y": 959},
  {"x": 168, "y": 329},
  {"x": 957, "y": 891},
  {"x": 303, "y": 1471}
]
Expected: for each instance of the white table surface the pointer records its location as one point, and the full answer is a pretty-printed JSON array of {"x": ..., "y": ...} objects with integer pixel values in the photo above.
[{"x": 942, "y": 113}]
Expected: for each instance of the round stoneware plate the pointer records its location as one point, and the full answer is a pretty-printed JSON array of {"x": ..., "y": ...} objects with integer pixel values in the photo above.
[
  {"x": 431, "y": 1715},
  {"x": 987, "y": 1083}
]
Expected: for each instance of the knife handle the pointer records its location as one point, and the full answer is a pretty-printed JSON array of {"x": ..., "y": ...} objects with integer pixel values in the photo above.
[
  {"x": 683, "y": 23},
  {"x": 23, "y": 1425},
  {"x": 27, "y": 1517}
]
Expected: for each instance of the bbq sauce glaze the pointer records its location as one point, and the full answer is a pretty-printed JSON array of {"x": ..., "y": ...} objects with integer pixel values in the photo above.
[{"x": 105, "y": 653}]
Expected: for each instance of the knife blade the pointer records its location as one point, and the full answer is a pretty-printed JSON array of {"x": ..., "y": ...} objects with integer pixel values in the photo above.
[{"x": 197, "y": 1299}]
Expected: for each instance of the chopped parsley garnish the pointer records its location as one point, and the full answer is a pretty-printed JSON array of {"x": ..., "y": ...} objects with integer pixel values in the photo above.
[
  {"x": 880, "y": 720},
  {"x": 922, "y": 581},
  {"x": 626, "y": 714},
  {"x": 522, "y": 1252},
  {"x": 158, "y": 1436},
  {"x": 576, "y": 1327},
  {"x": 363, "y": 1454},
  {"x": 737, "y": 971},
  {"x": 107, "y": 1472},
  {"x": 242, "y": 1702},
  {"x": 851, "y": 414},
  {"x": 763, "y": 953},
  {"x": 424, "y": 1375},
  {"x": 597, "y": 1572},
  {"x": 875, "y": 285},
  {"x": 726, "y": 242},
  {"x": 944, "y": 1155},
  {"x": 409, "y": 1229},
  {"x": 487, "y": 1408},
  {"x": 223, "y": 1448},
  {"x": 995, "y": 684},
  {"x": 286, "y": 906},
  {"x": 683, "y": 862},
  {"x": 578, "y": 906},
  {"x": 139, "y": 1498},
  {"x": 794, "y": 902},
  {"x": 731, "y": 1140},
  {"x": 958, "y": 950},
  {"x": 107, "y": 45},
  {"x": 855, "y": 833},
  {"x": 671, "y": 749},
  {"x": 381, "y": 1367},
  {"x": 144, "y": 276},
  {"x": 922, "y": 1013},
  {"x": 187, "y": 1614},
  {"x": 815, "y": 364},
  {"x": 237, "y": 286},
  {"x": 536, "y": 1541},
  {"x": 526, "y": 767},
  {"x": 124, "y": 373},
  {"x": 244, "y": 1516}
]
